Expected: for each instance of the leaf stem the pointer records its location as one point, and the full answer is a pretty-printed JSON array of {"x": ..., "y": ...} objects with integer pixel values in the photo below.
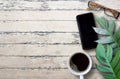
[{"x": 111, "y": 68}]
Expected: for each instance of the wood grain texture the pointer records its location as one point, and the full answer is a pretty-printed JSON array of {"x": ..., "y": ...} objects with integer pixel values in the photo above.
[
  {"x": 36, "y": 62},
  {"x": 52, "y": 4},
  {"x": 44, "y": 74},
  {"x": 45, "y": 49},
  {"x": 38, "y": 36},
  {"x": 8, "y": 16},
  {"x": 39, "y": 27}
]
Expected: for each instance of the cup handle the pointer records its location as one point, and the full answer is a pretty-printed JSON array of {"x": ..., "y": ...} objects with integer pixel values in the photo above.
[{"x": 81, "y": 77}]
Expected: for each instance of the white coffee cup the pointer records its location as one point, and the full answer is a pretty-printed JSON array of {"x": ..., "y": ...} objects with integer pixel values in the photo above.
[{"x": 75, "y": 71}]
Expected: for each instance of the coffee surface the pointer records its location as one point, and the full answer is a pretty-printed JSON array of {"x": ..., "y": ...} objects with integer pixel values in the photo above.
[{"x": 81, "y": 61}]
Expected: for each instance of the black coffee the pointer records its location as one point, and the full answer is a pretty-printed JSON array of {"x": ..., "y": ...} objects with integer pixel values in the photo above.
[{"x": 81, "y": 61}]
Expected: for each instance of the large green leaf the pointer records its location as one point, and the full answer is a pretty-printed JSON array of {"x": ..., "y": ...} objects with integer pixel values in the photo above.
[
  {"x": 101, "y": 50},
  {"x": 109, "y": 62},
  {"x": 111, "y": 25},
  {"x": 101, "y": 60},
  {"x": 117, "y": 34},
  {"x": 101, "y": 31},
  {"x": 105, "y": 40},
  {"x": 109, "y": 53},
  {"x": 108, "y": 76},
  {"x": 102, "y": 22},
  {"x": 113, "y": 45},
  {"x": 116, "y": 59},
  {"x": 110, "y": 66},
  {"x": 107, "y": 29},
  {"x": 103, "y": 69}
]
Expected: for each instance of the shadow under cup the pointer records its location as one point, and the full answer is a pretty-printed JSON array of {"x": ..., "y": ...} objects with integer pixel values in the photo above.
[{"x": 80, "y": 63}]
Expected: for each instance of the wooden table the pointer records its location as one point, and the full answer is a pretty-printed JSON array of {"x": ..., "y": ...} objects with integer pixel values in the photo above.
[{"x": 38, "y": 36}]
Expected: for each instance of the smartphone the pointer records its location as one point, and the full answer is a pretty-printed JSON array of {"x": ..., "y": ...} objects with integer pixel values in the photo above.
[{"x": 86, "y": 22}]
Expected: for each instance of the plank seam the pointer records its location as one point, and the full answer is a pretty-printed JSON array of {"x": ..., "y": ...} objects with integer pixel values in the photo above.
[
  {"x": 35, "y": 43},
  {"x": 37, "y": 56},
  {"x": 47, "y": 9},
  {"x": 36, "y": 68},
  {"x": 10, "y": 32}
]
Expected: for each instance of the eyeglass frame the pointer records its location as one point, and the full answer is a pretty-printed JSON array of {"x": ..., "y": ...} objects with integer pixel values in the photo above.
[{"x": 105, "y": 8}]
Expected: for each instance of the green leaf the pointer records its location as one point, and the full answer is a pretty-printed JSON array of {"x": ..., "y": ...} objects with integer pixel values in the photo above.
[
  {"x": 102, "y": 22},
  {"x": 101, "y": 31},
  {"x": 105, "y": 40},
  {"x": 100, "y": 50},
  {"x": 108, "y": 58},
  {"x": 108, "y": 62},
  {"x": 113, "y": 45},
  {"x": 117, "y": 34},
  {"x": 109, "y": 53},
  {"x": 115, "y": 59},
  {"x": 108, "y": 76},
  {"x": 101, "y": 60},
  {"x": 117, "y": 68},
  {"x": 118, "y": 75},
  {"x": 107, "y": 29},
  {"x": 111, "y": 25},
  {"x": 103, "y": 69}
]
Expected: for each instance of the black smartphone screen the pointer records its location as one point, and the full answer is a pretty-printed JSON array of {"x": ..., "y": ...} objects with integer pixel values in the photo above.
[{"x": 87, "y": 34}]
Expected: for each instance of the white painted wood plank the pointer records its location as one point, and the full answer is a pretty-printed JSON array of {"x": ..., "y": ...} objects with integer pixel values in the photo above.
[
  {"x": 39, "y": 15},
  {"x": 44, "y": 74},
  {"x": 43, "y": 15},
  {"x": 52, "y": 5},
  {"x": 76, "y": 5},
  {"x": 17, "y": 53},
  {"x": 34, "y": 25},
  {"x": 43, "y": 62},
  {"x": 39, "y": 38},
  {"x": 65, "y": 26},
  {"x": 42, "y": 49},
  {"x": 36, "y": 62},
  {"x": 15, "y": 5}
]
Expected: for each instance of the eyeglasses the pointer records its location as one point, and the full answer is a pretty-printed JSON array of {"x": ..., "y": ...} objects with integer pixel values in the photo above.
[{"x": 110, "y": 12}]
